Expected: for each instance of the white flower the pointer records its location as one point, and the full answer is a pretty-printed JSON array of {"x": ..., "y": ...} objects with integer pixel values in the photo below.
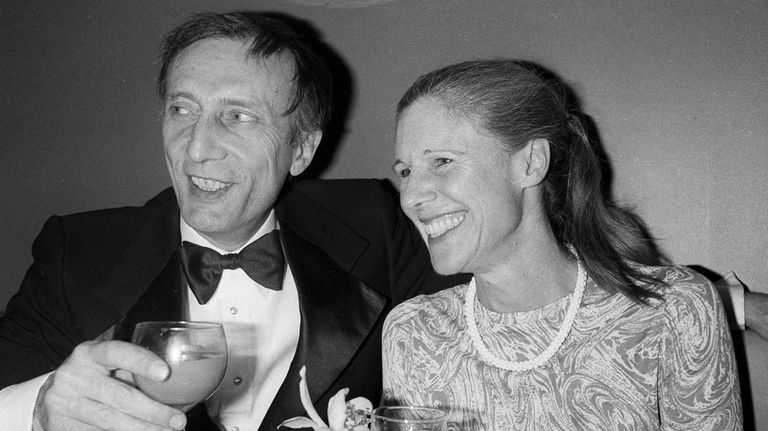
[{"x": 342, "y": 415}]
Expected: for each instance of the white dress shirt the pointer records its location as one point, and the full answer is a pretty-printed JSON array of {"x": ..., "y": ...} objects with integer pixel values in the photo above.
[
  {"x": 732, "y": 294},
  {"x": 262, "y": 330}
]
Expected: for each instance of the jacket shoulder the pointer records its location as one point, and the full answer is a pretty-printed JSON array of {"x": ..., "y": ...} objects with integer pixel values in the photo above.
[
  {"x": 93, "y": 240},
  {"x": 343, "y": 193},
  {"x": 364, "y": 205}
]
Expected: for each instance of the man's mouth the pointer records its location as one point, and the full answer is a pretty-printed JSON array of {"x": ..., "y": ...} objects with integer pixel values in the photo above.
[
  {"x": 208, "y": 185},
  {"x": 442, "y": 224}
]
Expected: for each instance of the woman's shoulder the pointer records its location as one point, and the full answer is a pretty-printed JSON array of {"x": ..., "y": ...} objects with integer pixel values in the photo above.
[
  {"x": 677, "y": 280},
  {"x": 683, "y": 291},
  {"x": 446, "y": 301}
]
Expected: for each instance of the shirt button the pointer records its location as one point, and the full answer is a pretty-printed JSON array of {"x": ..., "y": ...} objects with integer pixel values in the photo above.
[
  {"x": 233, "y": 310},
  {"x": 237, "y": 381}
]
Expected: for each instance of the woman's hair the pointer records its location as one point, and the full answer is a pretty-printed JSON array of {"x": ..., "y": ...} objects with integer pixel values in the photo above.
[{"x": 519, "y": 101}]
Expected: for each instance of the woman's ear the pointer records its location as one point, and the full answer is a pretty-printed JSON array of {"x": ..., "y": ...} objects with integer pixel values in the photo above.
[
  {"x": 304, "y": 150},
  {"x": 535, "y": 156}
]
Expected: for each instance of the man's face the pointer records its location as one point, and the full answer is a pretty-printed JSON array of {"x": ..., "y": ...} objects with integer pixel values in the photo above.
[{"x": 227, "y": 144}]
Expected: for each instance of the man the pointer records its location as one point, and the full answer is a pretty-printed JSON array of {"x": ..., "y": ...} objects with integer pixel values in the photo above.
[{"x": 245, "y": 102}]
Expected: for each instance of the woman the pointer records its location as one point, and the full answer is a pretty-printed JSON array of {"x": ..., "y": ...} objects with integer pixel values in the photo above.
[{"x": 568, "y": 322}]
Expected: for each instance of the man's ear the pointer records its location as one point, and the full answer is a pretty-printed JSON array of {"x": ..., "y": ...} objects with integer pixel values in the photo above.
[
  {"x": 304, "y": 150},
  {"x": 535, "y": 155}
]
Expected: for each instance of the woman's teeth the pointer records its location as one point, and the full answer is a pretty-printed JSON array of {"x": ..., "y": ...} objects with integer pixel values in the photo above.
[
  {"x": 208, "y": 185},
  {"x": 443, "y": 224}
]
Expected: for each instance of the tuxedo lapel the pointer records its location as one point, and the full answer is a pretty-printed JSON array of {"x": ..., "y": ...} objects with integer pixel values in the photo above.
[
  {"x": 316, "y": 225},
  {"x": 337, "y": 313},
  {"x": 163, "y": 300},
  {"x": 147, "y": 282}
]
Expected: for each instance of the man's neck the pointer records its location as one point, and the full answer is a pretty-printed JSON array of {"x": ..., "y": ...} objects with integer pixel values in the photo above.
[{"x": 190, "y": 234}]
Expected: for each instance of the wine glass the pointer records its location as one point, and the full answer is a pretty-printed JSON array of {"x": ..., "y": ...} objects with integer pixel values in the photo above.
[
  {"x": 408, "y": 418},
  {"x": 196, "y": 352}
]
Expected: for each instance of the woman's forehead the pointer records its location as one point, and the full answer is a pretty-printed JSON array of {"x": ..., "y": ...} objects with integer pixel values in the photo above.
[{"x": 428, "y": 127}]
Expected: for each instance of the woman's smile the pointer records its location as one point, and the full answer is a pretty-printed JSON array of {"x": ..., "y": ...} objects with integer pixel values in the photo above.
[{"x": 437, "y": 226}]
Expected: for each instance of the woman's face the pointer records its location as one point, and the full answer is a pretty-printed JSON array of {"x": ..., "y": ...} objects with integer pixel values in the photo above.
[{"x": 459, "y": 187}]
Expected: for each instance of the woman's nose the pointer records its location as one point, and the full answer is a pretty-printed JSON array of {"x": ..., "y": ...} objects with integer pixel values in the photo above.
[
  {"x": 416, "y": 191},
  {"x": 203, "y": 142}
]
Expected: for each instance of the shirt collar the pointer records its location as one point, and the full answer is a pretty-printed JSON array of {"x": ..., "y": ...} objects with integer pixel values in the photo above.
[{"x": 191, "y": 235}]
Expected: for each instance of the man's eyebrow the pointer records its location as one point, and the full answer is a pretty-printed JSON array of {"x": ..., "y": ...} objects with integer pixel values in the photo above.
[
  {"x": 225, "y": 101},
  {"x": 456, "y": 152},
  {"x": 236, "y": 102},
  {"x": 177, "y": 94},
  {"x": 262, "y": 109}
]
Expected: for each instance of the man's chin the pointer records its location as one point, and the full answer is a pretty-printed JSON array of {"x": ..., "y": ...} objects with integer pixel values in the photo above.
[{"x": 203, "y": 220}]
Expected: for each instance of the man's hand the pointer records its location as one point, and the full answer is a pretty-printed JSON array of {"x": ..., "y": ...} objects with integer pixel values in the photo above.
[
  {"x": 83, "y": 395},
  {"x": 756, "y": 313}
]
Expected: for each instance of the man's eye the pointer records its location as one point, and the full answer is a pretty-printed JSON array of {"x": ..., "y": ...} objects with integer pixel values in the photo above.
[
  {"x": 241, "y": 117},
  {"x": 440, "y": 161},
  {"x": 178, "y": 110}
]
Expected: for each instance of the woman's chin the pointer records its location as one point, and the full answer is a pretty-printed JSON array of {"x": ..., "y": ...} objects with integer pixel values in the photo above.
[{"x": 445, "y": 265}]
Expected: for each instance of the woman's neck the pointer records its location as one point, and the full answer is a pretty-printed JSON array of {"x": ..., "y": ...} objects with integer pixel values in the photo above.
[{"x": 534, "y": 275}]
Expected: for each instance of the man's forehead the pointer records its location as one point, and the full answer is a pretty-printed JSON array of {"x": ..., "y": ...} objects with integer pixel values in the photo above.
[
  {"x": 229, "y": 63},
  {"x": 280, "y": 62}
]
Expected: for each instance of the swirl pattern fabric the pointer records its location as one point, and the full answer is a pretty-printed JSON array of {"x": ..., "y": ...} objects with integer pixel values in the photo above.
[{"x": 625, "y": 366}]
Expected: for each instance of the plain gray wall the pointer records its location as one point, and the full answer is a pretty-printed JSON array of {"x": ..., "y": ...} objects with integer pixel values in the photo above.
[{"x": 679, "y": 92}]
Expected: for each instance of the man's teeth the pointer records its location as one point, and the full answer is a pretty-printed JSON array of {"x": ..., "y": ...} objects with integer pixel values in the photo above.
[
  {"x": 443, "y": 224},
  {"x": 208, "y": 185}
]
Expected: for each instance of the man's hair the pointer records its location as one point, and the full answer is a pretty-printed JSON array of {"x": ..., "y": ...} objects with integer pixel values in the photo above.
[{"x": 310, "y": 99}]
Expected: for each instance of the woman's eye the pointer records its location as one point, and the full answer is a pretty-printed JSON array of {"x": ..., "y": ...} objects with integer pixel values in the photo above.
[{"x": 403, "y": 173}]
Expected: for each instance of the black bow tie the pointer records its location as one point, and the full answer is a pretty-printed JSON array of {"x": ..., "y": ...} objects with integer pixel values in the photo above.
[{"x": 262, "y": 260}]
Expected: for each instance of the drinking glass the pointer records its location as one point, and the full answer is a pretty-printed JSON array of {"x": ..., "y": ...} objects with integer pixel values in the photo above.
[
  {"x": 196, "y": 353},
  {"x": 408, "y": 418}
]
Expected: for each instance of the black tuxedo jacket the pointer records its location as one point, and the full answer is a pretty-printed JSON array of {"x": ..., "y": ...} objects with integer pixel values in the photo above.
[{"x": 352, "y": 252}]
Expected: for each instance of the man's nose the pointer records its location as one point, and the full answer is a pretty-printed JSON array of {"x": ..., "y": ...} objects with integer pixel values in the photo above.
[
  {"x": 419, "y": 189},
  {"x": 203, "y": 142}
]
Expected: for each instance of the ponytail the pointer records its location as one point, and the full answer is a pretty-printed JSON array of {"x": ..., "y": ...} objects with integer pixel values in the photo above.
[{"x": 606, "y": 237}]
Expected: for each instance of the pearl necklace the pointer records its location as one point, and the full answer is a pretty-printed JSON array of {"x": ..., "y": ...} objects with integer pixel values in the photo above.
[{"x": 549, "y": 352}]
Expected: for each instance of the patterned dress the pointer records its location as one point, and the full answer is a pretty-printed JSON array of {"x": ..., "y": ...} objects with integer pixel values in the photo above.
[{"x": 625, "y": 366}]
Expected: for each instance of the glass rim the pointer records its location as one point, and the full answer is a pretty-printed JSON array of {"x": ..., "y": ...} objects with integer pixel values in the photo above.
[
  {"x": 179, "y": 324},
  {"x": 441, "y": 415}
]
